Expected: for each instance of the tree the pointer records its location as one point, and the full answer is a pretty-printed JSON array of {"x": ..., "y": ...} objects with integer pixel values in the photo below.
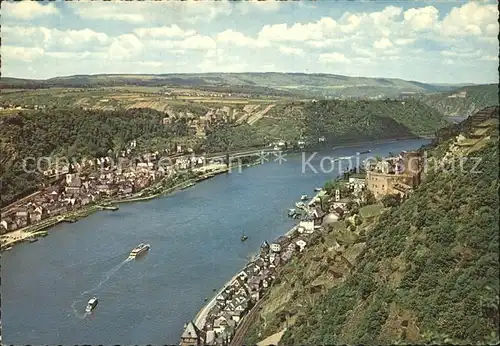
[
  {"x": 370, "y": 197},
  {"x": 391, "y": 200}
]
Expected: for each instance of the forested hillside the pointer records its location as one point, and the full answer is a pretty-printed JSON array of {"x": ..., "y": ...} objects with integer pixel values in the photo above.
[
  {"x": 342, "y": 121},
  {"x": 429, "y": 272},
  {"x": 73, "y": 133},
  {"x": 476, "y": 97}
]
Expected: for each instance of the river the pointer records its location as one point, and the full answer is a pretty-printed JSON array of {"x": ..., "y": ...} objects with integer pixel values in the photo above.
[{"x": 195, "y": 247}]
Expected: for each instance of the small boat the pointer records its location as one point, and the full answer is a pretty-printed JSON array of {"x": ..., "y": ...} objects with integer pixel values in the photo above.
[
  {"x": 91, "y": 305},
  {"x": 363, "y": 152},
  {"x": 8, "y": 248},
  {"x": 304, "y": 197},
  {"x": 317, "y": 189},
  {"x": 300, "y": 205},
  {"x": 139, "y": 250},
  {"x": 243, "y": 237},
  {"x": 32, "y": 240},
  {"x": 291, "y": 212}
]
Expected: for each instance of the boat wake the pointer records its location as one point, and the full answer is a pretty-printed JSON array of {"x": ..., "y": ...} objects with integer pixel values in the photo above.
[{"x": 106, "y": 278}]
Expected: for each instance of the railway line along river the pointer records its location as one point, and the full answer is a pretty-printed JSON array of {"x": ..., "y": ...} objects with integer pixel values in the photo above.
[{"x": 195, "y": 248}]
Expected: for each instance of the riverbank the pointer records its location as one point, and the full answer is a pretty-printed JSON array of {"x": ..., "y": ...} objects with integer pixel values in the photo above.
[
  {"x": 379, "y": 141},
  {"x": 24, "y": 234},
  {"x": 200, "y": 318}
]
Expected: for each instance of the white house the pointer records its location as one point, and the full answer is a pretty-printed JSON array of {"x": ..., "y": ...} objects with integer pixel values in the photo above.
[
  {"x": 301, "y": 244},
  {"x": 275, "y": 247},
  {"x": 220, "y": 324},
  {"x": 357, "y": 183},
  {"x": 306, "y": 227},
  {"x": 342, "y": 204},
  {"x": 237, "y": 314},
  {"x": 272, "y": 257},
  {"x": 242, "y": 275}
]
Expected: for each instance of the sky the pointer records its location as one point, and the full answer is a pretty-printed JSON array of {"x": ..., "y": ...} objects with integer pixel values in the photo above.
[{"x": 439, "y": 41}]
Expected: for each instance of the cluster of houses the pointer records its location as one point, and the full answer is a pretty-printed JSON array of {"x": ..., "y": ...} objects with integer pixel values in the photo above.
[
  {"x": 91, "y": 181},
  {"x": 236, "y": 299}
]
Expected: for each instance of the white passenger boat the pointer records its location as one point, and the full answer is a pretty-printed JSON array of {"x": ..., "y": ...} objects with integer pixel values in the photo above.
[
  {"x": 91, "y": 305},
  {"x": 139, "y": 250}
]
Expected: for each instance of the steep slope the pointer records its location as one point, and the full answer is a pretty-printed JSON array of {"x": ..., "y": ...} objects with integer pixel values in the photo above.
[
  {"x": 343, "y": 120},
  {"x": 464, "y": 101},
  {"x": 424, "y": 272},
  {"x": 429, "y": 270}
]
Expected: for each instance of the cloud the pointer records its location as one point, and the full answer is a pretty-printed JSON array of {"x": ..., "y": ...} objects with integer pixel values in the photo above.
[
  {"x": 26, "y": 10},
  {"x": 163, "y": 32},
  {"x": 333, "y": 58},
  {"x": 489, "y": 58},
  {"x": 195, "y": 42},
  {"x": 383, "y": 43},
  {"x": 112, "y": 10},
  {"x": 76, "y": 55},
  {"x": 137, "y": 12},
  {"x": 125, "y": 47},
  {"x": 419, "y": 19},
  {"x": 298, "y": 31},
  {"x": 266, "y": 6},
  {"x": 291, "y": 50},
  {"x": 54, "y": 39},
  {"x": 20, "y": 53},
  {"x": 404, "y": 41},
  {"x": 237, "y": 38},
  {"x": 471, "y": 19}
]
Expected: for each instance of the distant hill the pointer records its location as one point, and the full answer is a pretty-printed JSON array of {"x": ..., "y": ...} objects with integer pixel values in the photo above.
[
  {"x": 463, "y": 101},
  {"x": 313, "y": 85}
]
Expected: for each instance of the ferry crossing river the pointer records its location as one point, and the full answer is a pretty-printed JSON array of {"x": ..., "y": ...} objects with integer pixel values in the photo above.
[{"x": 195, "y": 248}]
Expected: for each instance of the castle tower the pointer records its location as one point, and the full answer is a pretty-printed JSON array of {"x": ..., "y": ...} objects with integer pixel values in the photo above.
[{"x": 412, "y": 165}]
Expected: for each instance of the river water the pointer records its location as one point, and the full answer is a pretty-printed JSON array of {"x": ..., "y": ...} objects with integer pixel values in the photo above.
[{"x": 195, "y": 247}]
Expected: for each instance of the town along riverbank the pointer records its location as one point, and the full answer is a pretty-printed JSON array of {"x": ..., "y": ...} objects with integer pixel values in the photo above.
[
  {"x": 195, "y": 248},
  {"x": 27, "y": 233}
]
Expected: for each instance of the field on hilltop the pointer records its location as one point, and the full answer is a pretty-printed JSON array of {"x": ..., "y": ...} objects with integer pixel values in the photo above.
[{"x": 122, "y": 98}]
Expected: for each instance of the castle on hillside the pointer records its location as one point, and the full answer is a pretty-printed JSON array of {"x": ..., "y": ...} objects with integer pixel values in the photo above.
[{"x": 395, "y": 175}]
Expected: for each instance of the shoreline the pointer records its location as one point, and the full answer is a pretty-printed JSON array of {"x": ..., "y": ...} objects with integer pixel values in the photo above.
[
  {"x": 23, "y": 235},
  {"x": 27, "y": 232},
  {"x": 377, "y": 141},
  {"x": 201, "y": 315}
]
